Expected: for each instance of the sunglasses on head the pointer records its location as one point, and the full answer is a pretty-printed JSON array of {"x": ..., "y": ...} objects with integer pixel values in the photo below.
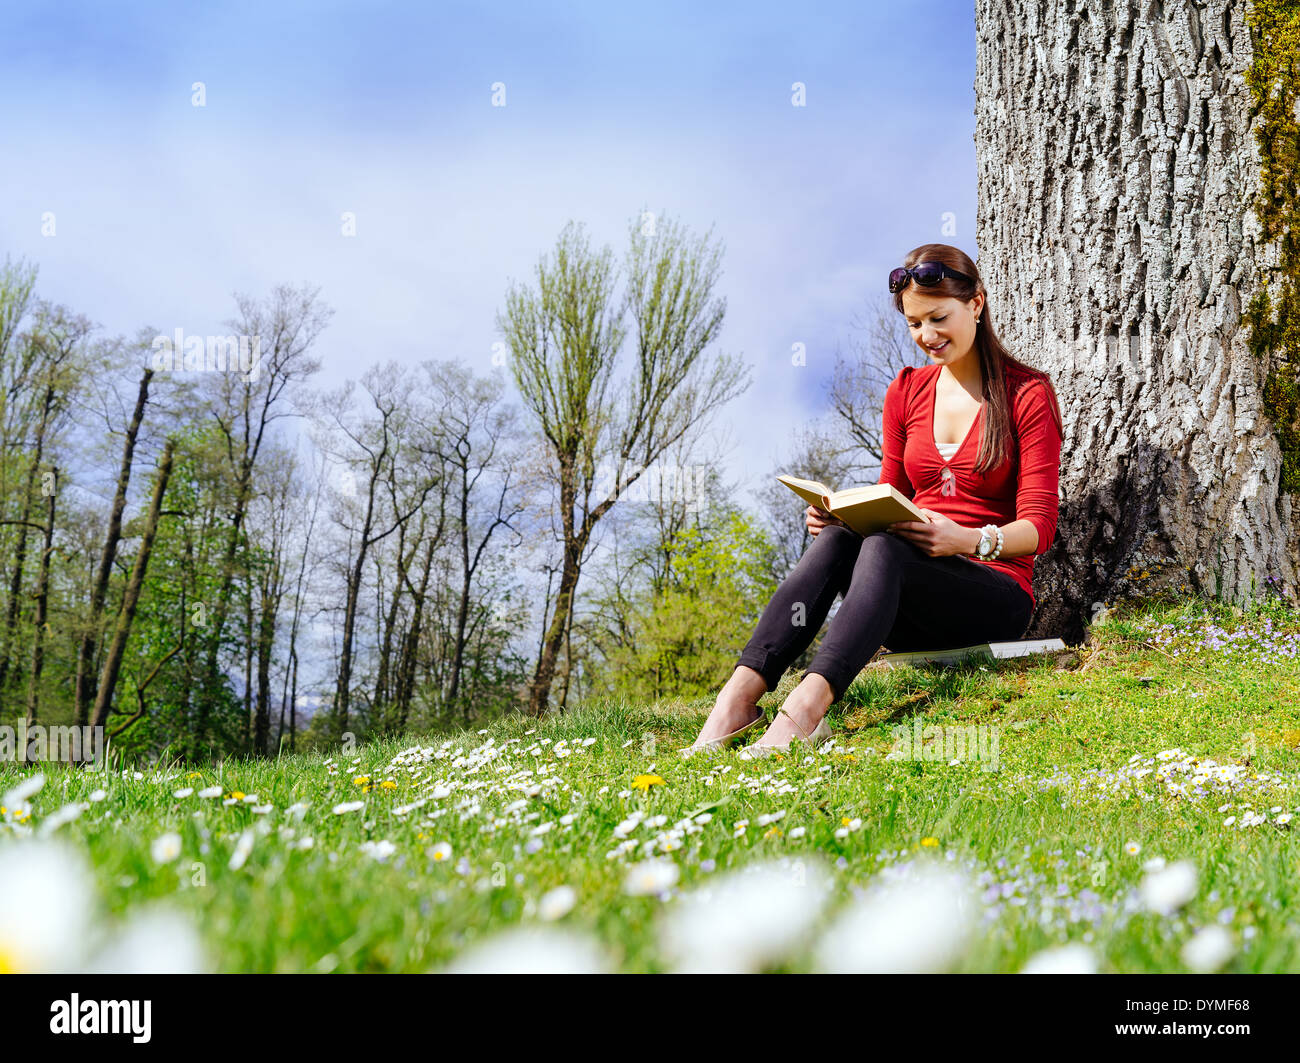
[{"x": 926, "y": 274}]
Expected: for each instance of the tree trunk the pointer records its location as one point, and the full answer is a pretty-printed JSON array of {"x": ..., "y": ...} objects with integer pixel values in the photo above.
[
  {"x": 293, "y": 700},
  {"x": 42, "y": 605},
  {"x": 540, "y": 689},
  {"x": 265, "y": 644},
  {"x": 342, "y": 695},
  {"x": 20, "y": 554},
  {"x": 84, "y": 684},
  {"x": 116, "y": 650},
  {"x": 462, "y": 607},
  {"x": 1118, "y": 172},
  {"x": 383, "y": 681},
  {"x": 411, "y": 643},
  {"x": 249, "y": 641}
]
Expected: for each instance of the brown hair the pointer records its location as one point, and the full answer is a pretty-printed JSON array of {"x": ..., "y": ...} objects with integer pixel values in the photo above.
[{"x": 996, "y": 363}]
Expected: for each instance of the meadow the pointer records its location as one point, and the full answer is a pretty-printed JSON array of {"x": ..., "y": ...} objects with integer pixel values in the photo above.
[{"x": 1125, "y": 806}]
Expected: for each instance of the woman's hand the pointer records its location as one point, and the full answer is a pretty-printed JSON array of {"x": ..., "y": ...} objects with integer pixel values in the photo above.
[
  {"x": 816, "y": 519},
  {"x": 941, "y": 537}
]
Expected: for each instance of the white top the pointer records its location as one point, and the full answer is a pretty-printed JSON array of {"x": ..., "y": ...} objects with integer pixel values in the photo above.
[{"x": 947, "y": 450}]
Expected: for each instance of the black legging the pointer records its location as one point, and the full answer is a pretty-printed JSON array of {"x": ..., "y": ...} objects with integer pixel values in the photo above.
[{"x": 895, "y": 595}]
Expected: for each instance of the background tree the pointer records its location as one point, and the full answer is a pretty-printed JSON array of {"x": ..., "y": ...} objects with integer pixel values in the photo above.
[
  {"x": 565, "y": 338},
  {"x": 84, "y": 680},
  {"x": 385, "y": 448},
  {"x": 683, "y": 640},
  {"x": 107, "y": 686},
  {"x": 245, "y": 408}
]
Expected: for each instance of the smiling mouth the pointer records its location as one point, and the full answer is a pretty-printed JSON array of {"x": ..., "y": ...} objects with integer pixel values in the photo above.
[{"x": 940, "y": 349}]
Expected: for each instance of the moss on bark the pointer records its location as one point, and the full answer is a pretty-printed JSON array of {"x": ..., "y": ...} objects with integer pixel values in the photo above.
[{"x": 1273, "y": 316}]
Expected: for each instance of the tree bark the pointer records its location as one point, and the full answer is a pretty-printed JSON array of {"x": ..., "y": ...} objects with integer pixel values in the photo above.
[
  {"x": 42, "y": 605},
  {"x": 343, "y": 687},
  {"x": 20, "y": 554},
  {"x": 1118, "y": 171},
  {"x": 544, "y": 675},
  {"x": 113, "y": 661},
  {"x": 411, "y": 643},
  {"x": 84, "y": 684},
  {"x": 270, "y": 601}
]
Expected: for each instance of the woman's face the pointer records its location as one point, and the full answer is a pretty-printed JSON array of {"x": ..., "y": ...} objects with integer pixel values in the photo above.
[{"x": 941, "y": 325}]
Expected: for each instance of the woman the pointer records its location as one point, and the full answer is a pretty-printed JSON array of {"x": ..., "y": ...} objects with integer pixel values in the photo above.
[{"x": 974, "y": 439}]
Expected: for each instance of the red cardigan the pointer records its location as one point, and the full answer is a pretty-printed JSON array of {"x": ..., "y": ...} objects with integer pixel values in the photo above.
[{"x": 1024, "y": 487}]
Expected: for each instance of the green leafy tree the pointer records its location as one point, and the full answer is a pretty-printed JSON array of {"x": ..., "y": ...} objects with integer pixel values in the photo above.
[{"x": 684, "y": 640}]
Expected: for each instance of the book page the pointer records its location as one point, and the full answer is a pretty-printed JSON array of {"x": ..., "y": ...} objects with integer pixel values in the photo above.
[{"x": 810, "y": 491}]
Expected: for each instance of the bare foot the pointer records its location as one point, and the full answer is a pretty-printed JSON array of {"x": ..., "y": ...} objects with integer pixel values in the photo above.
[
  {"x": 807, "y": 704},
  {"x": 736, "y": 706}
]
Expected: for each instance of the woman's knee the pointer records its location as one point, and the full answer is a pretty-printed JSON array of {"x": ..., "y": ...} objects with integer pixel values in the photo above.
[
  {"x": 883, "y": 545},
  {"x": 835, "y": 539}
]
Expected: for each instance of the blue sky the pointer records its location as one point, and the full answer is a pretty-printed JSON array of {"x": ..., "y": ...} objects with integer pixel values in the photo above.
[{"x": 164, "y": 209}]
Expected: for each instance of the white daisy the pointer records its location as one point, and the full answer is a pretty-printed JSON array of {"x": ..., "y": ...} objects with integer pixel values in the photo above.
[
  {"x": 919, "y": 921},
  {"x": 242, "y": 848},
  {"x": 1169, "y": 888},
  {"x": 651, "y": 877},
  {"x": 533, "y": 950},
  {"x": 745, "y": 920},
  {"x": 46, "y": 915},
  {"x": 557, "y": 903},
  {"x": 1067, "y": 959},
  {"x": 166, "y": 848},
  {"x": 1208, "y": 949}
]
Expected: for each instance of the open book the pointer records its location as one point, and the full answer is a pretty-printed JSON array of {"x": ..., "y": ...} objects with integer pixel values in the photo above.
[{"x": 864, "y": 509}]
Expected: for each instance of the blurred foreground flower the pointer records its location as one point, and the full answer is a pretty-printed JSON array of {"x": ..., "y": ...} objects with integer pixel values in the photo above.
[
  {"x": 651, "y": 877},
  {"x": 48, "y": 924},
  {"x": 746, "y": 920},
  {"x": 159, "y": 941},
  {"x": 918, "y": 920},
  {"x": 18, "y": 796},
  {"x": 44, "y": 918},
  {"x": 533, "y": 950},
  {"x": 1167, "y": 889},
  {"x": 1067, "y": 959},
  {"x": 557, "y": 903},
  {"x": 166, "y": 848},
  {"x": 1208, "y": 949}
]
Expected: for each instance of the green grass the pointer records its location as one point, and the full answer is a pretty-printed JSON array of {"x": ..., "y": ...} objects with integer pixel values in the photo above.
[{"x": 1047, "y": 829}]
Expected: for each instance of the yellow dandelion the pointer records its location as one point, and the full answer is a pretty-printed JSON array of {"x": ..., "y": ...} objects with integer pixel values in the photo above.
[
  {"x": 930, "y": 843},
  {"x": 388, "y": 784},
  {"x": 361, "y": 780},
  {"x": 238, "y": 795},
  {"x": 845, "y": 821},
  {"x": 644, "y": 782}
]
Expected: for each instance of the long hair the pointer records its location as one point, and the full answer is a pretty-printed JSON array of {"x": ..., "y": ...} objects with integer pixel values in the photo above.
[{"x": 1002, "y": 375}]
